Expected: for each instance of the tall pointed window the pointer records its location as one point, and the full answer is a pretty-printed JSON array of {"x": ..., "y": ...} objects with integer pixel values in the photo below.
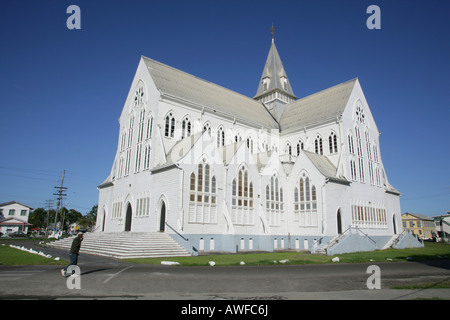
[
  {"x": 360, "y": 154},
  {"x": 141, "y": 126},
  {"x": 169, "y": 130},
  {"x": 220, "y": 137},
  {"x": 202, "y": 196},
  {"x": 148, "y": 134},
  {"x": 318, "y": 145},
  {"x": 122, "y": 148},
  {"x": 137, "y": 165},
  {"x": 353, "y": 169},
  {"x": 237, "y": 137},
  {"x": 305, "y": 203},
  {"x": 147, "y": 157},
  {"x": 185, "y": 128},
  {"x": 300, "y": 146},
  {"x": 332, "y": 143},
  {"x": 207, "y": 128},
  {"x": 274, "y": 202},
  {"x": 140, "y": 138},
  {"x": 265, "y": 83},
  {"x": 130, "y": 142},
  {"x": 351, "y": 148},
  {"x": 242, "y": 212},
  {"x": 288, "y": 149},
  {"x": 249, "y": 143}
]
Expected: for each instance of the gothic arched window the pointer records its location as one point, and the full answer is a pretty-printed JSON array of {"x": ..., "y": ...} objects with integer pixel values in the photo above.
[
  {"x": 185, "y": 128},
  {"x": 332, "y": 143},
  {"x": 242, "y": 199},
  {"x": 220, "y": 137},
  {"x": 202, "y": 196},
  {"x": 274, "y": 202},
  {"x": 318, "y": 145},
  {"x": 300, "y": 146},
  {"x": 169, "y": 130},
  {"x": 305, "y": 203}
]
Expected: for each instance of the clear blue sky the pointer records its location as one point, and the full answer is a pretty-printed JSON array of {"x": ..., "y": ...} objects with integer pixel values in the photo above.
[{"x": 62, "y": 91}]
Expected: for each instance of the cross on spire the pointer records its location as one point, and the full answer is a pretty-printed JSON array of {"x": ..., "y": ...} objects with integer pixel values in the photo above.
[{"x": 272, "y": 30}]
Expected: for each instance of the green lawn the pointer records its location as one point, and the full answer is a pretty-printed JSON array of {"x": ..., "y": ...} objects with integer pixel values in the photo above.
[
  {"x": 15, "y": 257},
  {"x": 442, "y": 284},
  {"x": 11, "y": 256},
  {"x": 430, "y": 252}
]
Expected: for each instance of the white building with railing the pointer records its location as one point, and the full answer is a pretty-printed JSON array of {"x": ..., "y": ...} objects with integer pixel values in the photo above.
[{"x": 231, "y": 173}]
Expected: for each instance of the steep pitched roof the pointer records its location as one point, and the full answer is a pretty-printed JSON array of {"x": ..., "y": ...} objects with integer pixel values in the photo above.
[
  {"x": 325, "y": 166},
  {"x": 318, "y": 107},
  {"x": 274, "y": 71},
  {"x": 12, "y": 202},
  {"x": 181, "y": 85}
]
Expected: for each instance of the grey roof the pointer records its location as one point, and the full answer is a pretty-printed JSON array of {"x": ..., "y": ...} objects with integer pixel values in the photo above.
[
  {"x": 106, "y": 183},
  {"x": 324, "y": 165},
  {"x": 4, "y": 204},
  {"x": 391, "y": 189},
  {"x": 419, "y": 216},
  {"x": 318, "y": 107},
  {"x": 274, "y": 70},
  {"x": 179, "y": 84}
]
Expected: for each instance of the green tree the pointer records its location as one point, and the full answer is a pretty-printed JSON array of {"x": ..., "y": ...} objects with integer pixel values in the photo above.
[
  {"x": 37, "y": 218},
  {"x": 88, "y": 220},
  {"x": 72, "y": 216}
]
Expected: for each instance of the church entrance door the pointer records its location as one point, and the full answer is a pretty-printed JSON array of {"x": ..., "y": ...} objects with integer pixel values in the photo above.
[
  {"x": 104, "y": 219},
  {"x": 162, "y": 219},
  {"x": 339, "y": 222},
  {"x": 394, "y": 224},
  {"x": 128, "y": 218}
]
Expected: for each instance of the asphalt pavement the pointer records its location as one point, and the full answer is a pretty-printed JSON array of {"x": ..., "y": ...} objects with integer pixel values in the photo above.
[{"x": 105, "y": 278}]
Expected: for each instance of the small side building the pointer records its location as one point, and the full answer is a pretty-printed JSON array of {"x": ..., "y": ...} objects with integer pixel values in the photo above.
[
  {"x": 14, "y": 217},
  {"x": 442, "y": 224},
  {"x": 421, "y": 226}
]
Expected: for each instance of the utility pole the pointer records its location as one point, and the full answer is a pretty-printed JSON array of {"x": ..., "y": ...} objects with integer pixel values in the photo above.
[
  {"x": 60, "y": 195},
  {"x": 49, "y": 204}
]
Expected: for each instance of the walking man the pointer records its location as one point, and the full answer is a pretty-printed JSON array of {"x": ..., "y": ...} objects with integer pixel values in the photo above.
[{"x": 74, "y": 252}]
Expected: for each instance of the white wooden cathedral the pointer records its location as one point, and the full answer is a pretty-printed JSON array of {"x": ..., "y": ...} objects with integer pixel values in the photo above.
[{"x": 222, "y": 172}]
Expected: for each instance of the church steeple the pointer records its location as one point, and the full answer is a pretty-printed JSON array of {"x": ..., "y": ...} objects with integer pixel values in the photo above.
[{"x": 274, "y": 89}]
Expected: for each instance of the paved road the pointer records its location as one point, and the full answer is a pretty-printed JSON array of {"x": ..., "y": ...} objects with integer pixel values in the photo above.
[{"x": 103, "y": 278}]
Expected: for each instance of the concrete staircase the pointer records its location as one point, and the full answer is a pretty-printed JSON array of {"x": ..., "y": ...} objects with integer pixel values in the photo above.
[
  {"x": 126, "y": 245},
  {"x": 325, "y": 246},
  {"x": 393, "y": 240}
]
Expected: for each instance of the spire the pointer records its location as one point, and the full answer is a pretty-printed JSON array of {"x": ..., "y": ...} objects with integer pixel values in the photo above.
[{"x": 274, "y": 77}]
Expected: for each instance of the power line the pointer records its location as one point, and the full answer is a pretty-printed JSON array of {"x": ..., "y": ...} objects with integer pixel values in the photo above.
[
  {"x": 32, "y": 171},
  {"x": 18, "y": 176}
]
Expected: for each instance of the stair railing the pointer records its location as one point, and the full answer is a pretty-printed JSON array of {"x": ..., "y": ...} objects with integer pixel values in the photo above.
[{"x": 179, "y": 234}]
